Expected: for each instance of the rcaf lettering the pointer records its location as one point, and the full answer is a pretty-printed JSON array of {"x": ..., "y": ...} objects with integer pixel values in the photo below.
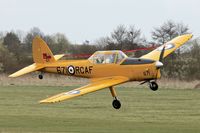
[
  {"x": 77, "y": 69},
  {"x": 83, "y": 70}
]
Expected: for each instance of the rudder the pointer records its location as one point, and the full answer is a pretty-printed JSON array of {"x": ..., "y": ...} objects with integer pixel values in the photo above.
[{"x": 41, "y": 52}]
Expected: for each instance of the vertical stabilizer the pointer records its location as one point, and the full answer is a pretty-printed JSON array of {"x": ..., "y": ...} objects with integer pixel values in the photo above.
[{"x": 41, "y": 52}]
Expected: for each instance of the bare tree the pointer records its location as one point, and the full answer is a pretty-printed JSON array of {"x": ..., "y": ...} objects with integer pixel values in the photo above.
[
  {"x": 168, "y": 31},
  {"x": 57, "y": 42},
  {"x": 122, "y": 38},
  {"x": 29, "y": 38},
  {"x": 118, "y": 36}
]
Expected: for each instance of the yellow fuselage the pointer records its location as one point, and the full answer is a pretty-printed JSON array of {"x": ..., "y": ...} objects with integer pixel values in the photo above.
[{"x": 86, "y": 69}]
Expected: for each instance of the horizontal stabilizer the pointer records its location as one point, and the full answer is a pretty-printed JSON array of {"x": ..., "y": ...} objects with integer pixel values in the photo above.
[
  {"x": 28, "y": 69},
  {"x": 57, "y": 57}
]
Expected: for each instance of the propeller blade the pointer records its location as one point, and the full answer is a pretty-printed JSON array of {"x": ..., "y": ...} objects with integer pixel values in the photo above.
[
  {"x": 159, "y": 63},
  {"x": 162, "y": 54}
]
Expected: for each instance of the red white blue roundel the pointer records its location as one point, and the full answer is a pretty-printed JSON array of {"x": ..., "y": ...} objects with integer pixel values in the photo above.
[
  {"x": 71, "y": 70},
  {"x": 73, "y": 92},
  {"x": 167, "y": 46}
]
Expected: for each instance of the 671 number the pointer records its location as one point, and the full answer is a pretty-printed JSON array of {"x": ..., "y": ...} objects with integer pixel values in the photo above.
[{"x": 61, "y": 70}]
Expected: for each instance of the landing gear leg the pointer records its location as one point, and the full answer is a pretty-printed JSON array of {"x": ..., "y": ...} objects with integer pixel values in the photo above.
[
  {"x": 116, "y": 103},
  {"x": 40, "y": 76},
  {"x": 153, "y": 86}
]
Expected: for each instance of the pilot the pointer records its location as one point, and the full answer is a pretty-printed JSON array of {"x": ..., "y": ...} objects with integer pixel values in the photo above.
[
  {"x": 109, "y": 59},
  {"x": 98, "y": 59}
]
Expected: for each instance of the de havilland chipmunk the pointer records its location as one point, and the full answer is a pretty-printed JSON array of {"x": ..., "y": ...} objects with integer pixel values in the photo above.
[{"x": 105, "y": 69}]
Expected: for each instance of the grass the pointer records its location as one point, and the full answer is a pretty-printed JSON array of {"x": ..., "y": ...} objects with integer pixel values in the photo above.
[{"x": 143, "y": 111}]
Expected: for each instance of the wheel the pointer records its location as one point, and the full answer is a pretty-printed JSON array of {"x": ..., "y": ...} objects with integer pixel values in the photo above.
[
  {"x": 153, "y": 86},
  {"x": 116, "y": 104},
  {"x": 40, "y": 76}
]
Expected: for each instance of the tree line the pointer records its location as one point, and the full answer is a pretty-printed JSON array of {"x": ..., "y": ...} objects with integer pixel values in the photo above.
[{"x": 184, "y": 64}]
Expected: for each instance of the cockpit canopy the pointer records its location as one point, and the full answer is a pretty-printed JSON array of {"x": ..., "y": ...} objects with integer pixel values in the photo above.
[{"x": 107, "y": 57}]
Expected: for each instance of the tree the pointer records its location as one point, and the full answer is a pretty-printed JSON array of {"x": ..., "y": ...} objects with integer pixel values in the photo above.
[
  {"x": 7, "y": 60},
  {"x": 168, "y": 31},
  {"x": 118, "y": 36},
  {"x": 12, "y": 43},
  {"x": 58, "y": 43},
  {"x": 122, "y": 38},
  {"x": 194, "y": 60},
  {"x": 126, "y": 38},
  {"x": 29, "y": 38}
]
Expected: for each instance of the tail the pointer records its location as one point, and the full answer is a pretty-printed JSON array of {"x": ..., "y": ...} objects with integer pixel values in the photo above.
[
  {"x": 42, "y": 56},
  {"x": 41, "y": 52}
]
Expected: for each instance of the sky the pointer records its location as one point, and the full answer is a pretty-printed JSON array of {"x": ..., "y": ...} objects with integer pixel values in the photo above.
[{"x": 82, "y": 20}]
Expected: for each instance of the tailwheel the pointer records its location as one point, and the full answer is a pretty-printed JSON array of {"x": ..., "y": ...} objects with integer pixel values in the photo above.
[
  {"x": 153, "y": 86},
  {"x": 116, "y": 104},
  {"x": 40, "y": 76}
]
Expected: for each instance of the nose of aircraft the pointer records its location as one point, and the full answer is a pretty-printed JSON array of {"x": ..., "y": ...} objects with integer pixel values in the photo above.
[{"x": 159, "y": 64}]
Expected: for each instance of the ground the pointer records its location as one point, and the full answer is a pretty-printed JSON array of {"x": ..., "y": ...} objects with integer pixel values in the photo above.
[{"x": 143, "y": 111}]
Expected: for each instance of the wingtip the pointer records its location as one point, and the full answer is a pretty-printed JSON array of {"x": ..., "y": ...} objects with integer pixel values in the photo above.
[
  {"x": 189, "y": 35},
  {"x": 43, "y": 101},
  {"x": 186, "y": 36}
]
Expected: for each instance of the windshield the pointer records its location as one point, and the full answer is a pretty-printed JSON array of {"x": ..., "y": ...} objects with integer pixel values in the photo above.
[{"x": 107, "y": 57}]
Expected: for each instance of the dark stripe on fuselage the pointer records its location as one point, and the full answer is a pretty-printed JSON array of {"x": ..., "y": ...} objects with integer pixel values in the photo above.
[{"x": 136, "y": 61}]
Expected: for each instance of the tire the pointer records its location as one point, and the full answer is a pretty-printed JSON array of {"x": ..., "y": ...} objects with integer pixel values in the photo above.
[
  {"x": 116, "y": 104},
  {"x": 153, "y": 86},
  {"x": 40, "y": 76}
]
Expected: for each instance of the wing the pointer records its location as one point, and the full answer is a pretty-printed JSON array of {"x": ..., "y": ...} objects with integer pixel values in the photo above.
[
  {"x": 94, "y": 86},
  {"x": 28, "y": 69},
  {"x": 169, "y": 47}
]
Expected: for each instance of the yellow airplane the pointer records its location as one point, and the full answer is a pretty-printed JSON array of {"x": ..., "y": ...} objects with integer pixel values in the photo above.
[{"x": 105, "y": 69}]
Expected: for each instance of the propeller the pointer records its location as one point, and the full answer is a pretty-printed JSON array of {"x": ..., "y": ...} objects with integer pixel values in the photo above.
[
  {"x": 159, "y": 63},
  {"x": 162, "y": 54}
]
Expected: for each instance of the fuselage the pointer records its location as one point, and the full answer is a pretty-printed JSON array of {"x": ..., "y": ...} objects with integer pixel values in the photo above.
[{"x": 135, "y": 69}]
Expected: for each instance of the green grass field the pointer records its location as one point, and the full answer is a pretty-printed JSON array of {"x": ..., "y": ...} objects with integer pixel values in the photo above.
[{"x": 143, "y": 111}]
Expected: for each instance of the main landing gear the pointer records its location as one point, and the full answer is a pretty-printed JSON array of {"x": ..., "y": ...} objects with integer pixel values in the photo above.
[
  {"x": 116, "y": 103},
  {"x": 153, "y": 85}
]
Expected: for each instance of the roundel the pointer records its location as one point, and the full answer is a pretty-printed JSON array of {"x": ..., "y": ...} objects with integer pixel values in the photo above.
[
  {"x": 167, "y": 46},
  {"x": 71, "y": 70},
  {"x": 73, "y": 92}
]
